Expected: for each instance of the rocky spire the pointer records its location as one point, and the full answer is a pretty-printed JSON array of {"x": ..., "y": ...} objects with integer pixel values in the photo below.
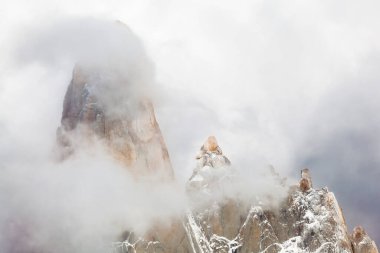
[
  {"x": 210, "y": 161},
  {"x": 361, "y": 242},
  {"x": 305, "y": 182},
  {"x": 126, "y": 124},
  {"x": 211, "y": 154}
]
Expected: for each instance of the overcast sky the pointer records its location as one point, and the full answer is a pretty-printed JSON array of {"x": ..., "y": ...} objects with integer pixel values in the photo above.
[{"x": 290, "y": 83}]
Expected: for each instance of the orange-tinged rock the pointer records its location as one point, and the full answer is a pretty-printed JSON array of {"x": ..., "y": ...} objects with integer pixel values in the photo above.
[
  {"x": 305, "y": 183},
  {"x": 361, "y": 242},
  {"x": 131, "y": 134},
  {"x": 211, "y": 144}
]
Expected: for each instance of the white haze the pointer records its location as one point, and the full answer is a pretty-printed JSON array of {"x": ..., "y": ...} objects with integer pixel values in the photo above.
[
  {"x": 81, "y": 205},
  {"x": 268, "y": 78},
  {"x": 86, "y": 202}
]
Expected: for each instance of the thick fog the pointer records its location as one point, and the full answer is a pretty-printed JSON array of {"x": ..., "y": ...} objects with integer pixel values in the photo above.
[
  {"x": 289, "y": 83},
  {"x": 87, "y": 201}
]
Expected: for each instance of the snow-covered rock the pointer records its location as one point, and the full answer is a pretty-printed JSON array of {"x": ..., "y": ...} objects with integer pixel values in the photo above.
[
  {"x": 211, "y": 173},
  {"x": 307, "y": 221}
]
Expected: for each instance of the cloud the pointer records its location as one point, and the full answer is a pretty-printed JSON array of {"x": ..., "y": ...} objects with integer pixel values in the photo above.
[
  {"x": 86, "y": 202},
  {"x": 272, "y": 80},
  {"x": 80, "y": 205}
]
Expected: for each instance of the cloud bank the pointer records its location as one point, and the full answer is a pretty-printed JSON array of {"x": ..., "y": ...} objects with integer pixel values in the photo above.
[{"x": 290, "y": 83}]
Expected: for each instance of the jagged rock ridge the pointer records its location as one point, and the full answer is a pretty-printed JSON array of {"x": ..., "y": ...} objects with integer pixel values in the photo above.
[{"x": 308, "y": 220}]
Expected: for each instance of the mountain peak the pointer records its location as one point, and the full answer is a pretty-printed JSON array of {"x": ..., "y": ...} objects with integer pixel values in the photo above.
[{"x": 124, "y": 123}]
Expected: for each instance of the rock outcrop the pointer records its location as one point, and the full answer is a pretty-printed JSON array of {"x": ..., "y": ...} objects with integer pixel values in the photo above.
[
  {"x": 361, "y": 242},
  {"x": 305, "y": 182},
  {"x": 130, "y": 131}
]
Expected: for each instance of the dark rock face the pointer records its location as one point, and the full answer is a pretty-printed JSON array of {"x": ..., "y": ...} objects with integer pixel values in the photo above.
[{"x": 130, "y": 133}]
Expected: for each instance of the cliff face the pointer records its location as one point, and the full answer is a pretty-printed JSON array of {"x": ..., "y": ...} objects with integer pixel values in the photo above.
[
  {"x": 130, "y": 132},
  {"x": 308, "y": 220}
]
